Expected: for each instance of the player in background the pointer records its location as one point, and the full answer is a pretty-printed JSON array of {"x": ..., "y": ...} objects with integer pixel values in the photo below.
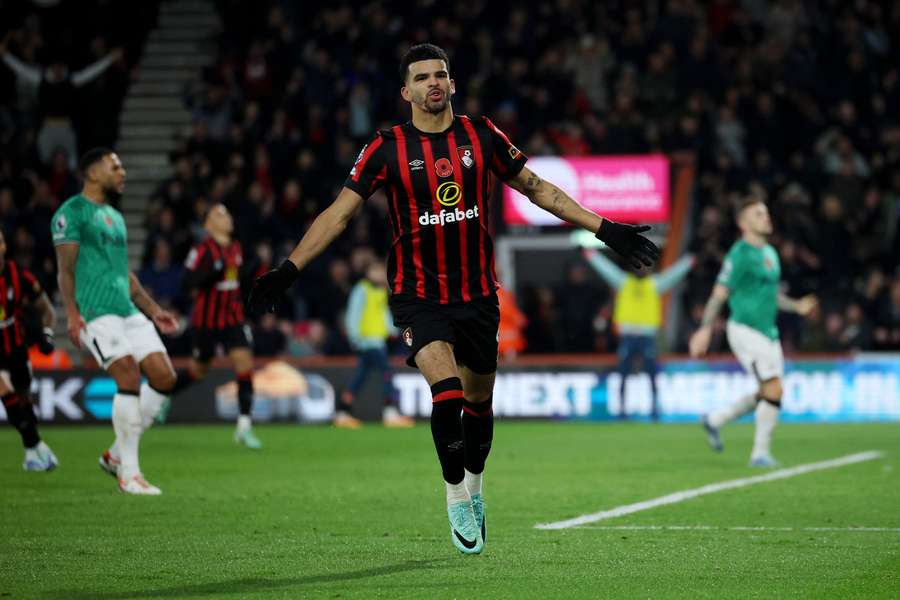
[
  {"x": 110, "y": 314},
  {"x": 213, "y": 273},
  {"x": 637, "y": 315},
  {"x": 437, "y": 171},
  {"x": 748, "y": 282},
  {"x": 369, "y": 325},
  {"x": 20, "y": 290}
]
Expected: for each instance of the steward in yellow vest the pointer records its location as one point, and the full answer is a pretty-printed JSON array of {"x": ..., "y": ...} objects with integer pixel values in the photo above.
[{"x": 637, "y": 315}]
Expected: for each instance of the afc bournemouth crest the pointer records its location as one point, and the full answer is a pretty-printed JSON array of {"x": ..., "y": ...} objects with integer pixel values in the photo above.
[
  {"x": 407, "y": 336},
  {"x": 465, "y": 156},
  {"x": 443, "y": 167}
]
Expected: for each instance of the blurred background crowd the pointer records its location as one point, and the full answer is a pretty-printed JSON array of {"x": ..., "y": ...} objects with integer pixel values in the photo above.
[{"x": 794, "y": 101}]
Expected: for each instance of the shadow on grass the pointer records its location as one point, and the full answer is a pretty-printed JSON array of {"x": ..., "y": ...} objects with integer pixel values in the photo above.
[{"x": 250, "y": 584}]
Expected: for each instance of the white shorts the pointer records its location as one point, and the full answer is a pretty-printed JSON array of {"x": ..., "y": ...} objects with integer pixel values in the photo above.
[
  {"x": 760, "y": 355},
  {"x": 112, "y": 337}
]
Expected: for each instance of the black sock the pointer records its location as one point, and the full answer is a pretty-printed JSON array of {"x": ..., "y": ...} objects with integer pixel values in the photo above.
[
  {"x": 21, "y": 416},
  {"x": 446, "y": 427},
  {"x": 183, "y": 378},
  {"x": 245, "y": 392},
  {"x": 478, "y": 428}
]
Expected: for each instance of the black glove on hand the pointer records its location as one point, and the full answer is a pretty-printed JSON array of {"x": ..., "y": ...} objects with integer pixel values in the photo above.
[
  {"x": 45, "y": 343},
  {"x": 627, "y": 241},
  {"x": 270, "y": 286}
]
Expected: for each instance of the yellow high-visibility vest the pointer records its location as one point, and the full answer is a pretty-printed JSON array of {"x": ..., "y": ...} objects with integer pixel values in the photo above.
[
  {"x": 638, "y": 303},
  {"x": 372, "y": 322}
]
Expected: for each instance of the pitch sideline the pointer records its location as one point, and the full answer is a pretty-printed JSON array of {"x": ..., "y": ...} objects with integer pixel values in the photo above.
[
  {"x": 738, "y": 528},
  {"x": 712, "y": 488}
]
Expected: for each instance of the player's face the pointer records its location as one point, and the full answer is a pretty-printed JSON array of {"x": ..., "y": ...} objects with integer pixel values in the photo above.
[
  {"x": 756, "y": 220},
  {"x": 219, "y": 220},
  {"x": 428, "y": 86},
  {"x": 111, "y": 175},
  {"x": 377, "y": 274}
]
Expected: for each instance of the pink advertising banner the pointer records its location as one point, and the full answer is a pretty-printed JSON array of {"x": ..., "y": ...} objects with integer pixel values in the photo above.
[{"x": 633, "y": 189}]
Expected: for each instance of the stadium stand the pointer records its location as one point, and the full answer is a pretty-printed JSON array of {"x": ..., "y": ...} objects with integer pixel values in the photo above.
[{"x": 793, "y": 101}]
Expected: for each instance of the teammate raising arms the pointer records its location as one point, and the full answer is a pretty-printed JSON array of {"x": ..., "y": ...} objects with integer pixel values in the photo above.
[
  {"x": 19, "y": 289},
  {"x": 749, "y": 281},
  {"x": 437, "y": 171},
  {"x": 108, "y": 310}
]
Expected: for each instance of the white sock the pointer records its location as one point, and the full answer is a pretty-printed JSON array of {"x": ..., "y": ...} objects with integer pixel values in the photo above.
[
  {"x": 243, "y": 422},
  {"x": 126, "y": 419},
  {"x": 151, "y": 402},
  {"x": 456, "y": 492},
  {"x": 473, "y": 482},
  {"x": 114, "y": 450},
  {"x": 766, "y": 419},
  {"x": 736, "y": 409},
  {"x": 390, "y": 412}
]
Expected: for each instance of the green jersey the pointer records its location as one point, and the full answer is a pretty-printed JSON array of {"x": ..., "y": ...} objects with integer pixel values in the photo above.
[
  {"x": 101, "y": 272},
  {"x": 751, "y": 275}
]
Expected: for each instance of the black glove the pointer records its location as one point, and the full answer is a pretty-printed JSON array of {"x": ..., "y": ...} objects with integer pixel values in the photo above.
[
  {"x": 627, "y": 241},
  {"x": 45, "y": 343},
  {"x": 269, "y": 286}
]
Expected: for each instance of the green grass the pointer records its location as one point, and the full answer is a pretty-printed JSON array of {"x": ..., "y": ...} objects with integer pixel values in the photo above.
[{"x": 360, "y": 514}]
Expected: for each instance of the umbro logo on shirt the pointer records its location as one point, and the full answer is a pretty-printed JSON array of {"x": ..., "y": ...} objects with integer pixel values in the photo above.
[{"x": 415, "y": 165}]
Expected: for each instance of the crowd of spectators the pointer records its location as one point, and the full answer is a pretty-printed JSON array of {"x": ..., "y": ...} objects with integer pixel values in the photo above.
[
  {"x": 792, "y": 100},
  {"x": 64, "y": 72}
]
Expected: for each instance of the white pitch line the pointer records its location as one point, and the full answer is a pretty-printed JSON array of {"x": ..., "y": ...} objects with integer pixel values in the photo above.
[
  {"x": 711, "y": 488},
  {"x": 714, "y": 528}
]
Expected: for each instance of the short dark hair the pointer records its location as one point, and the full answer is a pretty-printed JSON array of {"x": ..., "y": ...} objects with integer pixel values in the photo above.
[
  {"x": 89, "y": 158},
  {"x": 421, "y": 52}
]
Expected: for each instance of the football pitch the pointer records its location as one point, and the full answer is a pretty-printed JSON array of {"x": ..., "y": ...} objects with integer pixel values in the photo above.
[{"x": 361, "y": 514}]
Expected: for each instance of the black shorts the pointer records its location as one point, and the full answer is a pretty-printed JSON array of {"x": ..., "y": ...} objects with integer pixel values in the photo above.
[
  {"x": 471, "y": 327},
  {"x": 206, "y": 341},
  {"x": 19, "y": 368}
]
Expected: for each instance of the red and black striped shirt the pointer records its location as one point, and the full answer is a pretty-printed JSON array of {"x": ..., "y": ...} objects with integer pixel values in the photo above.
[
  {"x": 17, "y": 286},
  {"x": 439, "y": 190},
  {"x": 214, "y": 271}
]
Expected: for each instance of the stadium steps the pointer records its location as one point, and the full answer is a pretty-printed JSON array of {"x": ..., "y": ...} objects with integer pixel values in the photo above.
[
  {"x": 154, "y": 114},
  {"x": 165, "y": 75}
]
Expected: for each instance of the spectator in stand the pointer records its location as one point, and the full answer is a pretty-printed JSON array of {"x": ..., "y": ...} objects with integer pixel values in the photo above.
[
  {"x": 638, "y": 315},
  {"x": 56, "y": 88},
  {"x": 162, "y": 277}
]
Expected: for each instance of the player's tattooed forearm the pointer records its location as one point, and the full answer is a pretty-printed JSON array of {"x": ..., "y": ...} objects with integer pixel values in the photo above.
[
  {"x": 557, "y": 202},
  {"x": 533, "y": 183},
  {"x": 713, "y": 306}
]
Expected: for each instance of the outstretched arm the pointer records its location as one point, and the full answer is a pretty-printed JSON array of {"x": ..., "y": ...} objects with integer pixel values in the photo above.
[
  {"x": 45, "y": 307},
  {"x": 802, "y": 307},
  {"x": 606, "y": 268},
  {"x": 48, "y": 320},
  {"x": 165, "y": 320},
  {"x": 95, "y": 69},
  {"x": 624, "y": 239},
  {"x": 327, "y": 226},
  {"x": 552, "y": 199},
  {"x": 669, "y": 278},
  {"x": 23, "y": 71},
  {"x": 699, "y": 342}
]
